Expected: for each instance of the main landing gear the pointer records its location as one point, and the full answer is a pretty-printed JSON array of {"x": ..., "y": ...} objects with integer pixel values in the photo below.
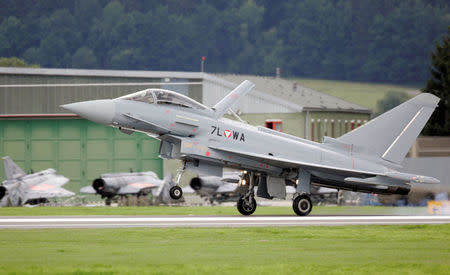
[
  {"x": 302, "y": 205},
  {"x": 246, "y": 204},
  {"x": 175, "y": 191}
]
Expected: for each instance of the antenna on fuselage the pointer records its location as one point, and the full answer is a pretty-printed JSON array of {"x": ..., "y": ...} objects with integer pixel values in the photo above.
[{"x": 237, "y": 116}]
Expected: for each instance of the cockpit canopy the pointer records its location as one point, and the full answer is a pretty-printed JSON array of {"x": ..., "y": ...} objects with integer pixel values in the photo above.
[{"x": 161, "y": 96}]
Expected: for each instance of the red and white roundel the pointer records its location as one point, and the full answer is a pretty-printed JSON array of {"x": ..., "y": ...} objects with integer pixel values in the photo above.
[{"x": 227, "y": 133}]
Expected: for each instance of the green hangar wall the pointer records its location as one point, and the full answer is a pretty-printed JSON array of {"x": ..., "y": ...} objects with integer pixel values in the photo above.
[
  {"x": 38, "y": 134},
  {"x": 76, "y": 148}
]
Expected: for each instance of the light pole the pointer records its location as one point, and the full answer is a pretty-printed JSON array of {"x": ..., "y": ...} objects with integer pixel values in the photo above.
[{"x": 202, "y": 67}]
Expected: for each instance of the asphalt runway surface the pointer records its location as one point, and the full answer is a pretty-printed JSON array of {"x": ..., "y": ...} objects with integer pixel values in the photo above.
[{"x": 208, "y": 221}]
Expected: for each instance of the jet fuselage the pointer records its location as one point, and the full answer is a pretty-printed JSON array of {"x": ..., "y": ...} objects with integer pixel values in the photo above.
[{"x": 199, "y": 133}]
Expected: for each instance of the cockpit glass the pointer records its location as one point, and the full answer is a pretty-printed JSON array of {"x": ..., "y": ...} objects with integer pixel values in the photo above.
[
  {"x": 169, "y": 97},
  {"x": 164, "y": 97},
  {"x": 142, "y": 96}
]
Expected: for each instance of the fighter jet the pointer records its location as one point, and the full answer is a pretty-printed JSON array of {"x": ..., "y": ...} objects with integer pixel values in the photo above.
[
  {"x": 19, "y": 188},
  {"x": 366, "y": 159},
  {"x": 217, "y": 189},
  {"x": 130, "y": 184}
]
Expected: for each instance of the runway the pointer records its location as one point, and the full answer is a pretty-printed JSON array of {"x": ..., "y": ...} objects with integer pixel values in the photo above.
[{"x": 208, "y": 221}]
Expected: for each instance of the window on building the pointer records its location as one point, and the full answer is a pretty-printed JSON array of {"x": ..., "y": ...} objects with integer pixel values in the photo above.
[
  {"x": 332, "y": 129},
  {"x": 319, "y": 130},
  {"x": 274, "y": 124}
]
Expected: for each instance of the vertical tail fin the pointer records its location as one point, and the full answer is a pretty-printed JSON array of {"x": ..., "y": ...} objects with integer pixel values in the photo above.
[
  {"x": 12, "y": 171},
  {"x": 391, "y": 134},
  {"x": 227, "y": 102}
]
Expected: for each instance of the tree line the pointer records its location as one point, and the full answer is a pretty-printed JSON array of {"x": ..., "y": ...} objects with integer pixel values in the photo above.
[{"x": 363, "y": 40}]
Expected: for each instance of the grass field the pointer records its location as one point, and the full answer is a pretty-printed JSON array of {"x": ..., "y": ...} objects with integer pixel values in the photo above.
[
  {"x": 419, "y": 249},
  {"x": 365, "y": 94},
  {"x": 206, "y": 210}
]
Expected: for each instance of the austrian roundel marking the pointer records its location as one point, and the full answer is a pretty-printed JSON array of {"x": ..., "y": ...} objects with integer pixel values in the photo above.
[{"x": 227, "y": 133}]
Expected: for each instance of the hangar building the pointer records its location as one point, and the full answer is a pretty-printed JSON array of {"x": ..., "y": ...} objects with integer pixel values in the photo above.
[{"x": 38, "y": 134}]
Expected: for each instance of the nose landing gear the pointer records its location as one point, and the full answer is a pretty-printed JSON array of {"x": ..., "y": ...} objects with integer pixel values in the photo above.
[
  {"x": 246, "y": 204},
  {"x": 175, "y": 191}
]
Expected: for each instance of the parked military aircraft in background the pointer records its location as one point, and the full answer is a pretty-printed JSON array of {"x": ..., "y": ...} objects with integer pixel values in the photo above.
[
  {"x": 19, "y": 188},
  {"x": 324, "y": 195},
  {"x": 130, "y": 186},
  {"x": 217, "y": 189},
  {"x": 366, "y": 159}
]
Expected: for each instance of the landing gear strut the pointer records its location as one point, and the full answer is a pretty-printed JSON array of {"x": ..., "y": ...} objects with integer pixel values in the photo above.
[
  {"x": 175, "y": 191},
  {"x": 302, "y": 204},
  {"x": 246, "y": 204}
]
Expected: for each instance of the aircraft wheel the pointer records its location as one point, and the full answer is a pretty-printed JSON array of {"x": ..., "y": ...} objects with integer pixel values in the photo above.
[
  {"x": 302, "y": 205},
  {"x": 175, "y": 192},
  {"x": 244, "y": 207},
  {"x": 2, "y": 192}
]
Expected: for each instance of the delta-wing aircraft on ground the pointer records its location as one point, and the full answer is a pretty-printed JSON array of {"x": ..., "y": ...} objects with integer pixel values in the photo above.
[
  {"x": 19, "y": 188},
  {"x": 137, "y": 184},
  {"x": 219, "y": 189},
  {"x": 365, "y": 159}
]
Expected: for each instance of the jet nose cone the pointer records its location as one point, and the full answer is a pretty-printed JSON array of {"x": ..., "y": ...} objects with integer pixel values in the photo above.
[{"x": 100, "y": 111}]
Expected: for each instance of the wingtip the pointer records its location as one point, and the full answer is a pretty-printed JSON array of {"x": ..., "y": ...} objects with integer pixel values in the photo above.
[{"x": 427, "y": 99}]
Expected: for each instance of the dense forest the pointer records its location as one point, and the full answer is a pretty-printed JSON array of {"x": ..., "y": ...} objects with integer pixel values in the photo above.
[{"x": 365, "y": 40}]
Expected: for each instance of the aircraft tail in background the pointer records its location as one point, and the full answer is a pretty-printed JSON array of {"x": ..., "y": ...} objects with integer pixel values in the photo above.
[{"x": 12, "y": 170}]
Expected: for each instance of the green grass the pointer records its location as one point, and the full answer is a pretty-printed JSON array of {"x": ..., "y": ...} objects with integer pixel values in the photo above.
[
  {"x": 418, "y": 249},
  {"x": 364, "y": 94},
  {"x": 205, "y": 210}
]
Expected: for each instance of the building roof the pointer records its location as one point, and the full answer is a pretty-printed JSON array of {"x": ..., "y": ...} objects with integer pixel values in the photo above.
[
  {"x": 309, "y": 99},
  {"x": 105, "y": 73},
  {"x": 276, "y": 90}
]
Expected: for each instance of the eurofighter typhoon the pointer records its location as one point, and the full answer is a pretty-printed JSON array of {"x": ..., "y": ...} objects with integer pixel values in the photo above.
[
  {"x": 19, "y": 188},
  {"x": 366, "y": 159}
]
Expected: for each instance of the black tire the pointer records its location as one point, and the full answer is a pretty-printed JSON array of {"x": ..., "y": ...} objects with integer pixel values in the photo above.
[
  {"x": 176, "y": 192},
  {"x": 244, "y": 208},
  {"x": 2, "y": 192},
  {"x": 302, "y": 205}
]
